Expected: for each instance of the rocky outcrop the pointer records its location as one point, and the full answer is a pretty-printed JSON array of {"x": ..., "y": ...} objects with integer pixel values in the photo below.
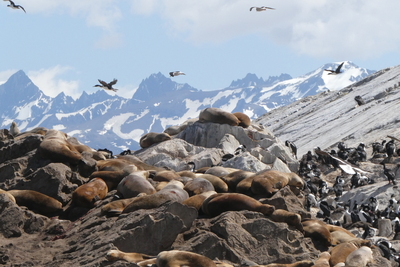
[{"x": 80, "y": 236}]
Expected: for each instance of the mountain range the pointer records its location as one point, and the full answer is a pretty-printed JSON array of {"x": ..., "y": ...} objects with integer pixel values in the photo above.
[{"x": 100, "y": 120}]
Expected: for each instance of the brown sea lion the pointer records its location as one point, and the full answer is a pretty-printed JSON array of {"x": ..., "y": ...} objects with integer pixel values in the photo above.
[
  {"x": 219, "y": 185},
  {"x": 171, "y": 192},
  {"x": 221, "y": 202},
  {"x": 112, "y": 171},
  {"x": 36, "y": 201},
  {"x": 340, "y": 252},
  {"x": 196, "y": 201},
  {"x": 134, "y": 184},
  {"x": 269, "y": 182},
  {"x": 323, "y": 260},
  {"x": 360, "y": 257},
  {"x": 234, "y": 178},
  {"x": 165, "y": 176},
  {"x": 153, "y": 138},
  {"x": 88, "y": 194},
  {"x": 317, "y": 231},
  {"x": 14, "y": 130},
  {"x": 217, "y": 115},
  {"x": 291, "y": 218},
  {"x": 305, "y": 263},
  {"x": 139, "y": 163},
  {"x": 11, "y": 197},
  {"x": 198, "y": 186},
  {"x": 116, "y": 254},
  {"x": 56, "y": 148},
  {"x": 244, "y": 120},
  {"x": 116, "y": 207},
  {"x": 176, "y": 258}
]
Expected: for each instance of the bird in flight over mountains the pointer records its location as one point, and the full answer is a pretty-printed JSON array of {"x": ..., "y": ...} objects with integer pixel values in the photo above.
[
  {"x": 337, "y": 71},
  {"x": 176, "y": 73},
  {"x": 14, "y": 6},
  {"x": 107, "y": 86},
  {"x": 263, "y": 8}
]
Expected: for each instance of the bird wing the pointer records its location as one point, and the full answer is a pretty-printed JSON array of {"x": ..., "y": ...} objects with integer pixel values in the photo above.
[
  {"x": 339, "y": 67},
  {"x": 171, "y": 73},
  {"x": 328, "y": 70},
  {"x": 103, "y": 83},
  {"x": 11, "y": 2},
  {"x": 113, "y": 82},
  {"x": 251, "y": 8},
  {"x": 22, "y": 8},
  {"x": 269, "y": 7}
]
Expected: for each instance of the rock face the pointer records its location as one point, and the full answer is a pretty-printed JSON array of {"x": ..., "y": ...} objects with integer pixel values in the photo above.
[{"x": 80, "y": 236}]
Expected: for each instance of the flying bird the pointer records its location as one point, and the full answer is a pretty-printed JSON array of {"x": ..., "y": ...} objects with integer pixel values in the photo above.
[
  {"x": 107, "y": 86},
  {"x": 176, "y": 73},
  {"x": 14, "y": 6},
  {"x": 337, "y": 71},
  {"x": 263, "y": 8}
]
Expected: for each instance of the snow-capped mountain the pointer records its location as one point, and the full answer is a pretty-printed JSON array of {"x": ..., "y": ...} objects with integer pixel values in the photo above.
[{"x": 100, "y": 120}]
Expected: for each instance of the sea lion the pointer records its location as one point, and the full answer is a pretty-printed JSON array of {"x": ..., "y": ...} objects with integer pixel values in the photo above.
[
  {"x": 56, "y": 148},
  {"x": 141, "y": 166},
  {"x": 198, "y": 186},
  {"x": 165, "y": 175},
  {"x": 291, "y": 218},
  {"x": 221, "y": 202},
  {"x": 244, "y": 120},
  {"x": 175, "y": 258},
  {"x": 134, "y": 184},
  {"x": 218, "y": 171},
  {"x": 11, "y": 197},
  {"x": 171, "y": 192},
  {"x": 153, "y": 138},
  {"x": 323, "y": 260},
  {"x": 217, "y": 115},
  {"x": 36, "y": 201},
  {"x": 233, "y": 178},
  {"x": 341, "y": 237},
  {"x": 112, "y": 171},
  {"x": 360, "y": 257},
  {"x": 116, "y": 254},
  {"x": 317, "y": 230},
  {"x": 340, "y": 252},
  {"x": 305, "y": 263},
  {"x": 219, "y": 185},
  {"x": 14, "y": 130},
  {"x": 196, "y": 201},
  {"x": 88, "y": 194},
  {"x": 269, "y": 182},
  {"x": 116, "y": 207},
  {"x": 96, "y": 155}
]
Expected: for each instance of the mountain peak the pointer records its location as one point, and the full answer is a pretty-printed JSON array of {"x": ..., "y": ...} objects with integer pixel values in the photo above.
[{"x": 157, "y": 85}]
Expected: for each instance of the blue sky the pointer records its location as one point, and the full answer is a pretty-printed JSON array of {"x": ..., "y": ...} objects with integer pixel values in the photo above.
[{"x": 66, "y": 45}]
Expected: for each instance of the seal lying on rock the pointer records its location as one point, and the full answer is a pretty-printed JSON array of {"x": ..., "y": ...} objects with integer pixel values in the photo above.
[
  {"x": 221, "y": 202},
  {"x": 88, "y": 194},
  {"x": 36, "y": 201},
  {"x": 304, "y": 263}
]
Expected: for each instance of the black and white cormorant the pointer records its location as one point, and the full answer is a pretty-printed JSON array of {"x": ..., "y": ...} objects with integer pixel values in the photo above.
[
  {"x": 337, "y": 71},
  {"x": 176, "y": 73},
  {"x": 263, "y": 8},
  {"x": 107, "y": 86}
]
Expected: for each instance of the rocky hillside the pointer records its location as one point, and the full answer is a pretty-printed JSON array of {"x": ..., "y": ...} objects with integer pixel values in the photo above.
[{"x": 327, "y": 118}]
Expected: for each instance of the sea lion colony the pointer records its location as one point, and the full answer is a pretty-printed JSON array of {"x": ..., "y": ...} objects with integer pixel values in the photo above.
[{"x": 130, "y": 185}]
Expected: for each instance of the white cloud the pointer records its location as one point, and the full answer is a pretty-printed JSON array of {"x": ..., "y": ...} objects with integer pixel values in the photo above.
[
  {"x": 349, "y": 29},
  {"x": 50, "y": 83},
  {"x": 104, "y": 14}
]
